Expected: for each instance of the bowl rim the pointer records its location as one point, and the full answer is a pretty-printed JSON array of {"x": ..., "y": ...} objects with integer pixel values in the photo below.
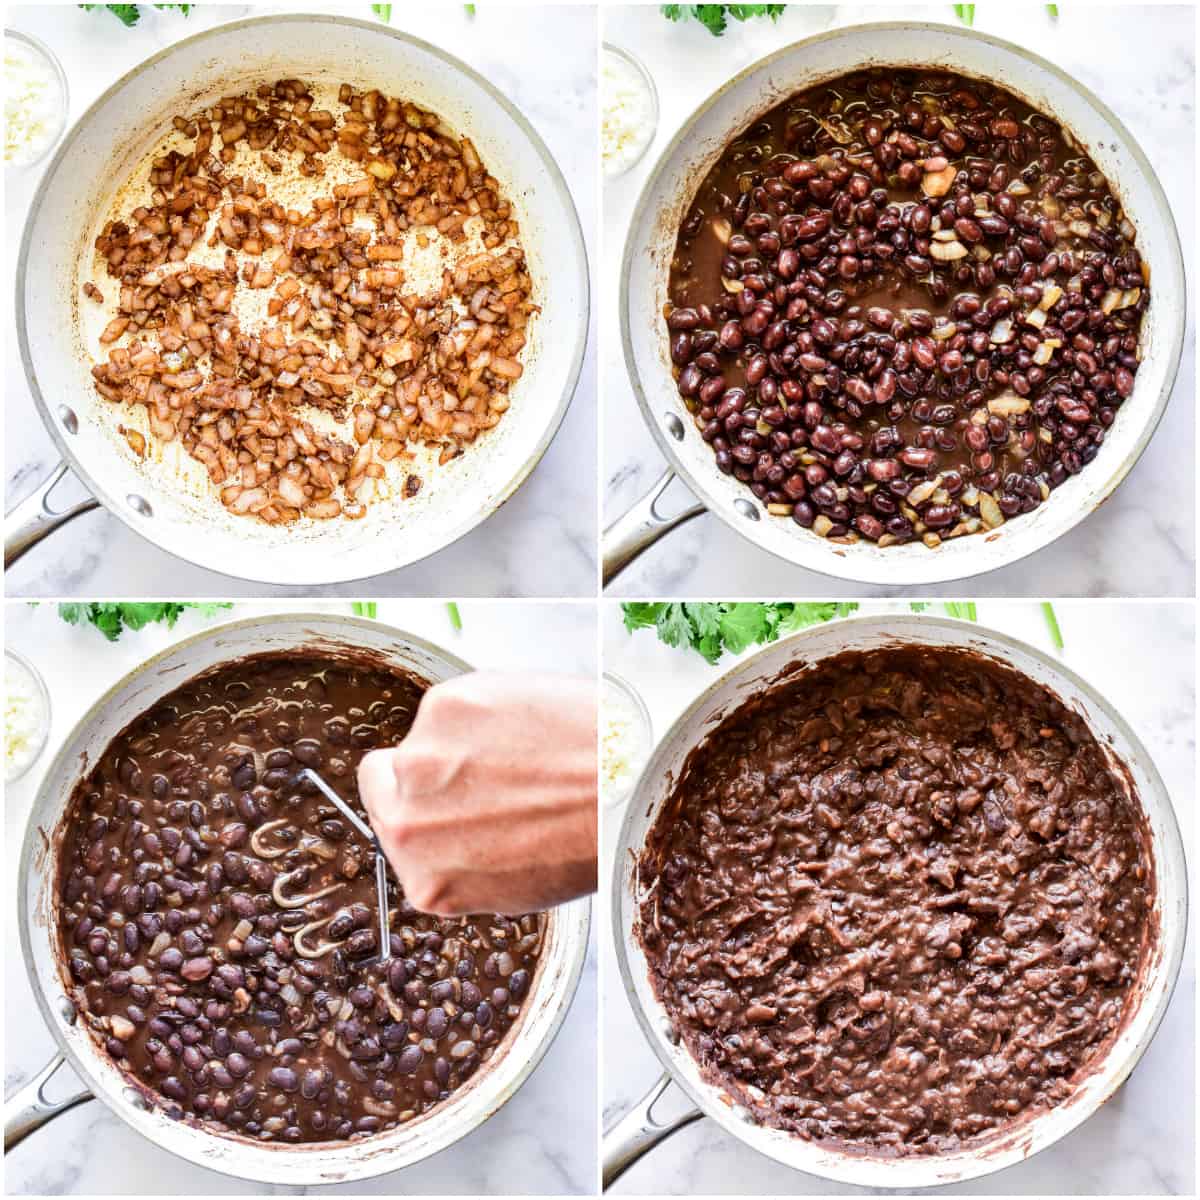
[
  {"x": 47, "y": 706},
  {"x": 635, "y": 697},
  {"x": 643, "y": 71},
  {"x": 60, "y": 74}
]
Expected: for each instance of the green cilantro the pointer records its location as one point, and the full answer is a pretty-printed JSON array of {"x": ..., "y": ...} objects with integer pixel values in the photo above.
[
  {"x": 712, "y": 629},
  {"x": 804, "y": 615},
  {"x": 130, "y": 14},
  {"x": 714, "y": 17},
  {"x": 111, "y": 619}
]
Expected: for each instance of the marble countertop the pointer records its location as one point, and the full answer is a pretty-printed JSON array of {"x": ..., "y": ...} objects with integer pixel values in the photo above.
[
  {"x": 1143, "y": 1140},
  {"x": 542, "y": 1141},
  {"x": 1140, "y": 60},
  {"x": 542, "y": 541}
]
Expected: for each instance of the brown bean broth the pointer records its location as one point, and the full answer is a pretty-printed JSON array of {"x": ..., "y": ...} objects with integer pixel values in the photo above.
[{"x": 187, "y": 968}]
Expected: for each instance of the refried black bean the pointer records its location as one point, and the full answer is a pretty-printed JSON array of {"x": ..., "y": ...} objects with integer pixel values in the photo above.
[
  {"x": 905, "y": 306},
  {"x": 193, "y": 955},
  {"x": 898, "y": 902}
]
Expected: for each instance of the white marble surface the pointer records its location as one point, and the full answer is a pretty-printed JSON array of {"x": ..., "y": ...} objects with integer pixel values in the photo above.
[
  {"x": 542, "y": 1141},
  {"x": 1143, "y": 1141},
  {"x": 1140, "y": 60},
  {"x": 542, "y": 542}
]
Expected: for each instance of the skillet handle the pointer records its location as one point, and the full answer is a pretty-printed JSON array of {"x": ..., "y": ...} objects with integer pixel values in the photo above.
[
  {"x": 32, "y": 519},
  {"x": 640, "y": 528},
  {"x": 637, "y": 1132},
  {"x": 27, "y": 1110}
]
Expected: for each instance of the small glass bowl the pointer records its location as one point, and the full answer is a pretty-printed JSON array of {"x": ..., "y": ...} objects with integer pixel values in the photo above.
[
  {"x": 42, "y": 51},
  {"x": 640, "y": 67},
  {"x": 43, "y": 692},
  {"x": 642, "y": 730}
]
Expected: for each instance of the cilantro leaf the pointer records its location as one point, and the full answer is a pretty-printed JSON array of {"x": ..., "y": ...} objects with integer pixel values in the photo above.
[
  {"x": 744, "y": 624},
  {"x": 711, "y": 629},
  {"x": 130, "y": 14},
  {"x": 127, "y": 14},
  {"x": 72, "y": 613},
  {"x": 801, "y": 616},
  {"x": 638, "y": 615},
  {"x": 705, "y": 619},
  {"x": 111, "y": 619},
  {"x": 714, "y": 17},
  {"x": 673, "y": 626}
]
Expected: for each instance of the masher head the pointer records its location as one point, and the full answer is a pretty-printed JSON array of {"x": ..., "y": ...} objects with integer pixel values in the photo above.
[{"x": 385, "y": 933}]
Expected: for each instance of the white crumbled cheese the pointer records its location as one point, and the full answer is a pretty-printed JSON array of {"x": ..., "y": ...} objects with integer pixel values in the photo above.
[
  {"x": 32, "y": 103},
  {"x": 628, "y": 114},
  {"x": 624, "y": 744},
  {"x": 25, "y": 718}
]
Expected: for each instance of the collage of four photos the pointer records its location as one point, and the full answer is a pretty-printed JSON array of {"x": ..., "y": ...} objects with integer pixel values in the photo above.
[{"x": 600, "y": 598}]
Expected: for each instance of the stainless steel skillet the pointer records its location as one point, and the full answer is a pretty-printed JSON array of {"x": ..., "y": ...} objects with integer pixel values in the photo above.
[
  {"x": 641, "y": 1129},
  {"x": 650, "y": 245},
  {"x": 71, "y": 205},
  {"x": 27, "y": 1110}
]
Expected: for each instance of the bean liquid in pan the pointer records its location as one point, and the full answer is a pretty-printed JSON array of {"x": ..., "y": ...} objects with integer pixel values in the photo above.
[
  {"x": 905, "y": 306},
  {"x": 899, "y": 903},
  {"x": 218, "y": 920}
]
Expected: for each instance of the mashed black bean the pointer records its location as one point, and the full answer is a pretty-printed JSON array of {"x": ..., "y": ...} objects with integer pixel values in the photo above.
[{"x": 898, "y": 902}]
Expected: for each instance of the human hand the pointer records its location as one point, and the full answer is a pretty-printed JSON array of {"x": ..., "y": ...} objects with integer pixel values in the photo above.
[{"x": 489, "y": 803}]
